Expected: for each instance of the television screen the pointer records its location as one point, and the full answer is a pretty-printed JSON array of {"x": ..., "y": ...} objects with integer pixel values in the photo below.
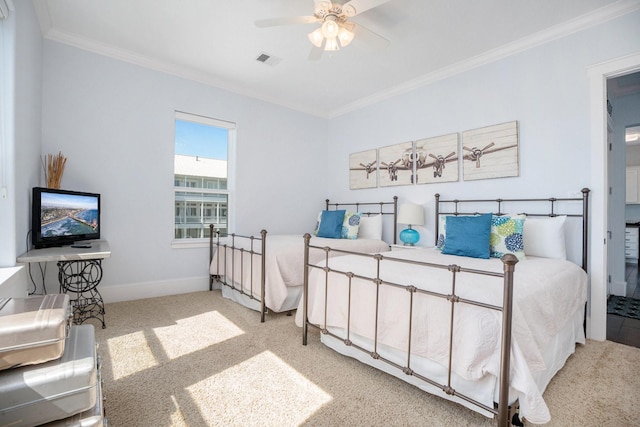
[{"x": 62, "y": 217}]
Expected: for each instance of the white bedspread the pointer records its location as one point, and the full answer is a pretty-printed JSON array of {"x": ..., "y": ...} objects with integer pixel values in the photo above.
[
  {"x": 283, "y": 264},
  {"x": 547, "y": 294}
]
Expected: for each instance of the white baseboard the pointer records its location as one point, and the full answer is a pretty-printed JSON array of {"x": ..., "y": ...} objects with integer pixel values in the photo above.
[{"x": 134, "y": 291}]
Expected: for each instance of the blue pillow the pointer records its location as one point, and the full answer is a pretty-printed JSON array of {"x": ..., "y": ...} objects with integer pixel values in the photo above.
[
  {"x": 331, "y": 224},
  {"x": 468, "y": 236}
]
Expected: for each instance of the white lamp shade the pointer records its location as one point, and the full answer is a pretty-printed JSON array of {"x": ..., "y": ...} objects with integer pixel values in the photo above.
[
  {"x": 411, "y": 214},
  {"x": 316, "y": 37},
  {"x": 345, "y": 36},
  {"x": 330, "y": 29},
  {"x": 331, "y": 44}
]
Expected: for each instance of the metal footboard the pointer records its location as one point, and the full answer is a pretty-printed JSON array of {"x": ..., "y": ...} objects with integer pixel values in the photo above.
[
  {"x": 509, "y": 261},
  {"x": 238, "y": 280}
]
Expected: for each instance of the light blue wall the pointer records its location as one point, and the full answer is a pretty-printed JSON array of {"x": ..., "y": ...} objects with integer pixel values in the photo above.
[
  {"x": 21, "y": 80},
  {"x": 546, "y": 89},
  {"x": 114, "y": 123}
]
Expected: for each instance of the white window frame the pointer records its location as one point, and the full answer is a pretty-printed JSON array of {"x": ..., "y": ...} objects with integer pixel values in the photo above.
[{"x": 230, "y": 190}]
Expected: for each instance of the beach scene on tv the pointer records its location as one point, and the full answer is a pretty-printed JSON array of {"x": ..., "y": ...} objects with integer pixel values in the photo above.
[{"x": 67, "y": 214}]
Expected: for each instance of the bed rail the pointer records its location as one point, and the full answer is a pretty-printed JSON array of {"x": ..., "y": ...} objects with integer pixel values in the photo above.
[
  {"x": 556, "y": 206},
  {"x": 247, "y": 245},
  {"x": 373, "y": 208},
  {"x": 509, "y": 261}
]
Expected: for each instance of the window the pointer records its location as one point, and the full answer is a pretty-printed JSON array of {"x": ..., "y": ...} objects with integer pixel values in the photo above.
[{"x": 201, "y": 175}]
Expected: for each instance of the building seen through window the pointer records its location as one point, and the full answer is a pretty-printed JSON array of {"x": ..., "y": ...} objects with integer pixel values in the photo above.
[{"x": 201, "y": 178}]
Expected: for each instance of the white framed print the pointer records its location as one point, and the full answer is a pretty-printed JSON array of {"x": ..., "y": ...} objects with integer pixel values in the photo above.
[
  {"x": 437, "y": 159},
  {"x": 363, "y": 169},
  {"x": 396, "y": 164},
  {"x": 490, "y": 152}
]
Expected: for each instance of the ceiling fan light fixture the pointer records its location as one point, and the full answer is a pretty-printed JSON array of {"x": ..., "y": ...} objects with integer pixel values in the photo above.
[
  {"x": 331, "y": 44},
  {"x": 345, "y": 36},
  {"x": 330, "y": 28},
  {"x": 316, "y": 37}
]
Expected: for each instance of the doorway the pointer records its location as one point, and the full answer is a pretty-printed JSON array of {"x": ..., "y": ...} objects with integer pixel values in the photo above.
[
  {"x": 623, "y": 108},
  {"x": 600, "y": 227}
]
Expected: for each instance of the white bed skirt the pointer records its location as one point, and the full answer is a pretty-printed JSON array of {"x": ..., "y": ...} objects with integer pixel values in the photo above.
[
  {"x": 485, "y": 391},
  {"x": 291, "y": 301}
]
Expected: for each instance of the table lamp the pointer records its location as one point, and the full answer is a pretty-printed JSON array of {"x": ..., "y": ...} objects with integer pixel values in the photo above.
[{"x": 410, "y": 214}]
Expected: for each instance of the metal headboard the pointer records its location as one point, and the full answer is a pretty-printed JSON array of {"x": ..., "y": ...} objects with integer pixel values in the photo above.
[
  {"x": 555, "y": 209},
  {"x": 382, "y": 208}
]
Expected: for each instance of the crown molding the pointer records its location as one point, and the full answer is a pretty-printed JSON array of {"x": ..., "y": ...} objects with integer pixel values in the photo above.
[
  {"x": 580, "y": 23},
  {"x": 583, "y": 22},
  {"x": 166, "y": 67}
]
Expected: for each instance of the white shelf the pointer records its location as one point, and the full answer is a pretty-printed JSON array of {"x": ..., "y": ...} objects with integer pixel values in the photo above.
[
  {"x": 98, "y": 249},
  {"x": 401, "y": 247}
]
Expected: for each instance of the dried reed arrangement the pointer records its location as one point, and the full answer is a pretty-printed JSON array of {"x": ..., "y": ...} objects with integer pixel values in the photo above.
[{"x": 54, "y": 169}]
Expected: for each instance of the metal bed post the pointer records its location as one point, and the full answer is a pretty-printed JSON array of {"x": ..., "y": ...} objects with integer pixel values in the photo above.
[
  {"x": 263, "y": 306},
  {"x": 509, "y": 261},
  {"x": 585, "y": 227},
  {"x": 395, "y": 216},
  {"x": 437, "y": 216},
  {"x": 233, "y": 262},
  {"x": 305, "y": 286},
  {"x": 210, "y": 256}
]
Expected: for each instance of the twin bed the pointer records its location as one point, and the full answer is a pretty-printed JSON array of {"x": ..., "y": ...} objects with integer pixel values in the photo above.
[
  {"x": 454, "y": 324},
  {"x": 266, "y": 272}
]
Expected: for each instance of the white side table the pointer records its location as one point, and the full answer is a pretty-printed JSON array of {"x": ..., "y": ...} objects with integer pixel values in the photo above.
[{"x": 79, "y": 272}]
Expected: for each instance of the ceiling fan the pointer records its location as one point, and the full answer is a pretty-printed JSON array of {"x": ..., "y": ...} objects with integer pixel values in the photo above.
[{"x": 335, "y": 30}]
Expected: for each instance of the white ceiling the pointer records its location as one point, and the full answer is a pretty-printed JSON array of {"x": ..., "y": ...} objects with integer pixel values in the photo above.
[{"x": 217, "y": 43}]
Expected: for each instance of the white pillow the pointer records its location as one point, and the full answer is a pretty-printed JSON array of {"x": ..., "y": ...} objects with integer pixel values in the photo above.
[
  {"x": 544, "y": 237},
  {"x": 370, "y": 227}
]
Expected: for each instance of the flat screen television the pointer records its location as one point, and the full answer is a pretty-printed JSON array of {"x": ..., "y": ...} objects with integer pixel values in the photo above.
[{"x": 63, "y": 217}]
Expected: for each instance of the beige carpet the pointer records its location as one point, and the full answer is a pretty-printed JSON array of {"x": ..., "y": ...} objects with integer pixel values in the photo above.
[{"x": 200, "y": 360}]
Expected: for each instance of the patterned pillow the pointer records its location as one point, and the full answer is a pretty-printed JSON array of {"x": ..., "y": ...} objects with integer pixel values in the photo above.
[
  {"x": 350, "y": 225},
  {"x": 442, "y": 230},
  {"x": 315, "y": 230},
  {"x": 507, "y": 233}
]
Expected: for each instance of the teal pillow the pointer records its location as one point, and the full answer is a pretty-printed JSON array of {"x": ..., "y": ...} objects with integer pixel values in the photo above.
[
  {"x": 442, "y": 230},
  {"x": 331, "y": 224},
  {"x": 468, "y": 236}
]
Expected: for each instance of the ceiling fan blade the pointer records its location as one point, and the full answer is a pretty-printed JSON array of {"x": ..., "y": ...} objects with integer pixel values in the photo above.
[
  {"x": 287, "y": 20},
  {"x": 370, "y": 37},
  {"x": 355, "y": 7}
]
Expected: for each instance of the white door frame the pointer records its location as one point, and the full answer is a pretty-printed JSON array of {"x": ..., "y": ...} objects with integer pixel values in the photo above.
[{"x": 598, "y": 75}]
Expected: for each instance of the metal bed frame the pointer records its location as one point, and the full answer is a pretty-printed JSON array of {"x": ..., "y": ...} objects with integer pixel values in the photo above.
[
  {"x": 257, "y": 247},
  {"x": 504, "y": 412}
]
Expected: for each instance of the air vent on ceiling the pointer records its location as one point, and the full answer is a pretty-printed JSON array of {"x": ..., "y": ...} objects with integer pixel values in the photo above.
[{"x": 265, "y": 58}]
